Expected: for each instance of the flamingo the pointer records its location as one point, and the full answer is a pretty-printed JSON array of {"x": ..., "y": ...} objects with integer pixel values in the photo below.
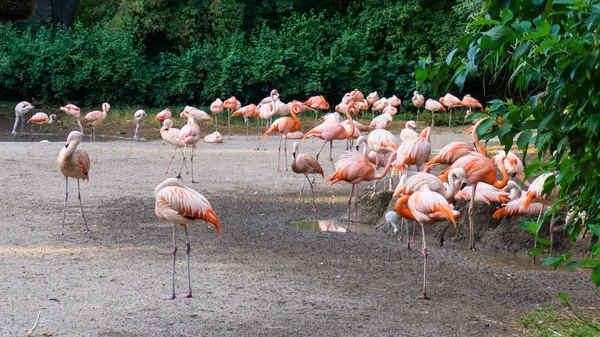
[
  {"x": 379, "y": 105},
  {"x": 190, "y": 136},
  {"x": 391, "y": 218},
  {"x": 21, "y": 109},
  {"x": 75, "y": 113},
  {"x": 333, "y": 131},
  {"x": 318, "y": 103},
  {"x": 536, "y": 192},
  {"x": 394, "y": 101},
  {"x": 391, "y": 110},
  {"x": 197, "y": 114},
  {"x": 294, "y": 135},
  {"x": 215, "y": 138},
  {"x": 471, "y": 102},
  {"x": 425, "y": 207},
  {"x": 381, "y": 142},
  {"x": 247, "y": 112},
  {"x": 138, "y": 116},
  {"x": 372, "y": 98},
  {"x": 409, "y": 131},
  {"x": 164, "y": 114},
  {"x": 414, "y": 151},
  {"x": 450, "y": 101},
  {"x": 479, "y": 168},
  {"x": 354, "y": 167},
  {"x": 41, "y": 118},
  {"x": 485, "y": 193},
  {"x": 383, "y": 121},
  {"x": 284, "y": 125},
  {"x": 418, "y": 100},
  {"x": 182, "y": 206},
  {"x": 216, "y": 107},
  {"x": 73, "y": 163},
  {"x": 449, "y": 154},
  {"x": 95, "y": 118},
  {"x": 305, "y": 164},
  {"x": 433, "y": 106},
  {"x": 230, "y": 105},
  {"x": 170, "y": 135}
]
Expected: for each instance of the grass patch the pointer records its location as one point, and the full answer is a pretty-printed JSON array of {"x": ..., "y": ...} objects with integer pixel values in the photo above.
[{"x": 558, "y": 319}]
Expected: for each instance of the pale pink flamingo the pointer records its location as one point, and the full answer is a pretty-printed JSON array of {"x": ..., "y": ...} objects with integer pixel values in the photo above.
[
  {"x": 95, "y": 118},
  {"x": 394, "y": 101},
  {"x": 449, "y": 154},
  {"x": 354, "y": 167},
  {"x": 372, "y": 98},
  {"x": 535, "y": 192},
  {"x": 450, "y": 101},
  {"x": 433, "y": 106},
  {"x": 471, "y": 102},
  {"x": 197, "y": 114},
  {"x": 425, "y": 207},
  {"x": 391, "y": 110},
  {"x": 138, "y": 116},
  {"x": 171, "y": 135},
  {"x": 357, "y": 96},
  {"x": 381, "y": 142},
  {"x": 479, "y": 168},
  {"x": 319, "y": 103},
  {"x": 182, "y": 206},
  {"x": 485, "y": 193},
  {"x": 190, "y": 136},
  {"x": 409, "y": 131},
  {"x": 418, "y": 100},
  {"x": 216, "y": 107},
  {"x": 214, "y": 138},
  {"x": 75, "y": 113},
  {"x": 294, "y": 135},
  {"x": 414, "y": 151},
  {"x": 305, "y": 164},
  {"x": 164, "y": 114},
  {"x": 383, "y": 121},
  {"x": 284, "y": 125},
  {"x": 21, "y": 109},
  {"x": 231, "y": 104},
  {"x": 40, "y": 119},
  {"x": 73, "y": 163},
  {"x": 246, "y": 111},
  {"x": 379, "y": 105},
  {"x": 333, "y": 131}
]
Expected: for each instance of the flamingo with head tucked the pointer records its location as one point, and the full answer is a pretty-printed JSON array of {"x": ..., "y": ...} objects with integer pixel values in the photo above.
[
  {"x": 138, "y": 116},
  {"x": 21, "y": 109},
  {"x": 433, "y": 106},
  {"x": 95, "y": 118},
  {"x": 247, "y": 111},
  {"x": 216, "y": 108},
  {"x": 418, "y": 100},
  {"x": 305, "y": 164},
  {"x": 75, "y": 113},
  {"x": 190, "y": 136}
]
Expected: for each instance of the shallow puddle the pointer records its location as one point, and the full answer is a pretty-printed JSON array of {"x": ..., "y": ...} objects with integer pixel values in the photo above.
[{"x": 331, "y": 226}]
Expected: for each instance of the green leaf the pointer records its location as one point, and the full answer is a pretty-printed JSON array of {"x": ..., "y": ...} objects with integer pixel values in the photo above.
[
  {"x": 460, "y": 79},
  {"x": 524, "y": 139},
  {"x": 564, "y": 297},
  {"x": 450, "y": 56},
  {"x": 484, "y": 126},
  {"x": 506, "y": 15},
  {"x": 420, "y": 75},
  {"x": 596, "y": 276},
  {"x": 522, "y": 26},
  {"x": 520, "y": 50},
  {"x": 595, "y": 229},
  {"x": 501, "y": 34}
]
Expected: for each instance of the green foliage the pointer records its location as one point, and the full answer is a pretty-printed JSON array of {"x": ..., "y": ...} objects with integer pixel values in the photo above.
[
  {"x": 546, "y": 52},
  {"x": 560, "y": 320}
]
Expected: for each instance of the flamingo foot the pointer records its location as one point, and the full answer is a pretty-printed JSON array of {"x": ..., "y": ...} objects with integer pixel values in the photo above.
[
  {"x": 424, "y": 297},
  {"x": 193, "y": 182},
  {"x": 314, "y": 209},
  {"x": 87, "y": 230},
  {"x": 179, "y": 177},
  {"x": 62, "y": 234},
  {"x": 408, "y": 245},
  {"x": 172, "y": 297},
  {"x": 188, "y": 295}
]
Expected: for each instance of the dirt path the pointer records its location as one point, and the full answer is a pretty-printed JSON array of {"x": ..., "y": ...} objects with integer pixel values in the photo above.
[{"x": 263, "y": 277}]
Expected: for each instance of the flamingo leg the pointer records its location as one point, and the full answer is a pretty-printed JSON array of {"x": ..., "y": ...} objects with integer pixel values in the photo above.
[
  {"x": 86, "y": 230},
  {"x": 216, "y": 122},
  {"x": 414, "y": 229},
  {"x": 62, "y": 228},
  {"x": 424, "y": 296},
  {"x": 14, "y": 131},
  {"x": 174, "y": 252},
  {"x": 285, "y": 153},
  {"x": 181, "y": 168},
  {"x": 314, "y": 208},
  {"x": 316, "y": 116},
  {"x": 301, "y": 189},
  {"x": 536, "y": 236},
  {"x": 137, "y": 127},
  {"x": 432, "y": 119},
  {"x": 22, "y": 123},
  {"x": 80, "y": 126},
  {"x": 407, "y": 240},
  {"x": 279, "y": 153},
  {"x": 356, "y": 209},
  {"x": 450, "y": 117},
  {"x": 330, "y": 153},
  {"x": 192, "y": 161},
  {"x": 31, "y": 131},
  {"x": 246, "y": 122},
  {"x": 229, "y": 121},
  {"x": 187, "y": 252},
  {"x": 321, "y": 149},
  {"x": 349, "y": 203},
  {"x": 173, "y": 156},
  {"x": 471, "y": 225},
  {"x": 418, "y": 111}
]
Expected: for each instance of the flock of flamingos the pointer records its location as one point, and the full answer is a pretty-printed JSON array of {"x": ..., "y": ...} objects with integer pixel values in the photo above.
[{"x": 424, "y": 197}]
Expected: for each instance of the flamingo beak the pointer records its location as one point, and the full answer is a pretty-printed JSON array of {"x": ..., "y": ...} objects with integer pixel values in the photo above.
[{"x": 463, "y": 185}]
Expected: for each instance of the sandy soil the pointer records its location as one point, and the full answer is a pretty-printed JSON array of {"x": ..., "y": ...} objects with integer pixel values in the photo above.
[{"x": 263, "y": 277}]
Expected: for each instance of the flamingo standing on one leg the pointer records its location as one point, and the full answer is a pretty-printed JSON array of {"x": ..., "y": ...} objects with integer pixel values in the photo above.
[
  {"x": 471, "y": 102},
  {"x": 75, "y": 113},
  {"x": 318, "y": 103},
  {"x": 73, "y": 163},
  {"x": 479, "y": 168},
  {"x": 333, "y": 131},
  {"x": 216, "y": 108},
  {"x": 95, "y": 118},
  {"x": 40, "y": 118},
  {"x": 450, "y": 101},
  {"x": 138, "y": 116},
  {"x": 425, "y": 207},
  {"x": 230, "y": 105},
  {"x": 433, "y": 106},
  {"x": 21, "y": 109},
  {"x": 182, "y": 206},
  {"x": 170, "y": 135},
  {"x": 418, "y": 100},
  {"x": 164, "y": 114},
  {"x": 190, "y": 136},
  {"x": 247, "y": 111},
  {"x": 305, "y": 164},
  {"x": 284, "y": 125}
]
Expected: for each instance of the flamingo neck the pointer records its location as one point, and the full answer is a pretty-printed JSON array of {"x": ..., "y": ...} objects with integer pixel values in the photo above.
[
  {"x": 504, "y": 181},
  {"x": 295, "y": 118},
  {"x": 350, "y": 130},
  {"x": 387, "y": 166},
  {"x": 402, "y": 211}
]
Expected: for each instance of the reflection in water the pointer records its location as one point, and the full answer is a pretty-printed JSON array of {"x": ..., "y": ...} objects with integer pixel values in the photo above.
[{"x": 330, "y": 226}]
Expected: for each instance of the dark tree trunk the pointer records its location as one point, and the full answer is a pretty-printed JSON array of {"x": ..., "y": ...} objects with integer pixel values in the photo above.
[{"x": 63, "y": 12}]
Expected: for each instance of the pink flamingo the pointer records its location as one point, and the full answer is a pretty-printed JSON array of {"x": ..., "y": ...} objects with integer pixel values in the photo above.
[
  {"x": 478, "y": 168},
  {"x": 75, "y": 113},
  {"x": 214, "y": 138},
  {"x": 414, "y": 151},
  {"x": 425, "y": 207},
  {"x": 246, "y": 112},
  {"x": 449, "y": 154},
  {"x": 318, "y": 103},
  {"x": 216, "y": 108},
  {"x": 381, "y": 142},
  {"x": 230, "y": 105},
  {"x": 190, "y": 136},
  {"x": 21, "y": 109},
  {"x": 354, "y": 167},
  {"x": 372, "y": 98},
  {"x": 182, "y": 206},
  {"x": 305, "y": 164},
  {"x": 535, "y": 192},
  {"x": 409, "y": 131},
  {"x": 138, "y": 116},
  {"x": 418, "y": 100},
  {"x": 333, "y": 131},
  {"x": 73, "y": 163},
  {"x": 171, "y": 135},
  {"x": 95, "y": 118},
  {"x": 40, "y": 119},
  {"x": 450, "y": 101},
  {"x": 433, "y": 106},
  {"x": 383, "y": 121},
  {"x": 284, "y": 125},
  {"x": 471, "y": 102}
]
